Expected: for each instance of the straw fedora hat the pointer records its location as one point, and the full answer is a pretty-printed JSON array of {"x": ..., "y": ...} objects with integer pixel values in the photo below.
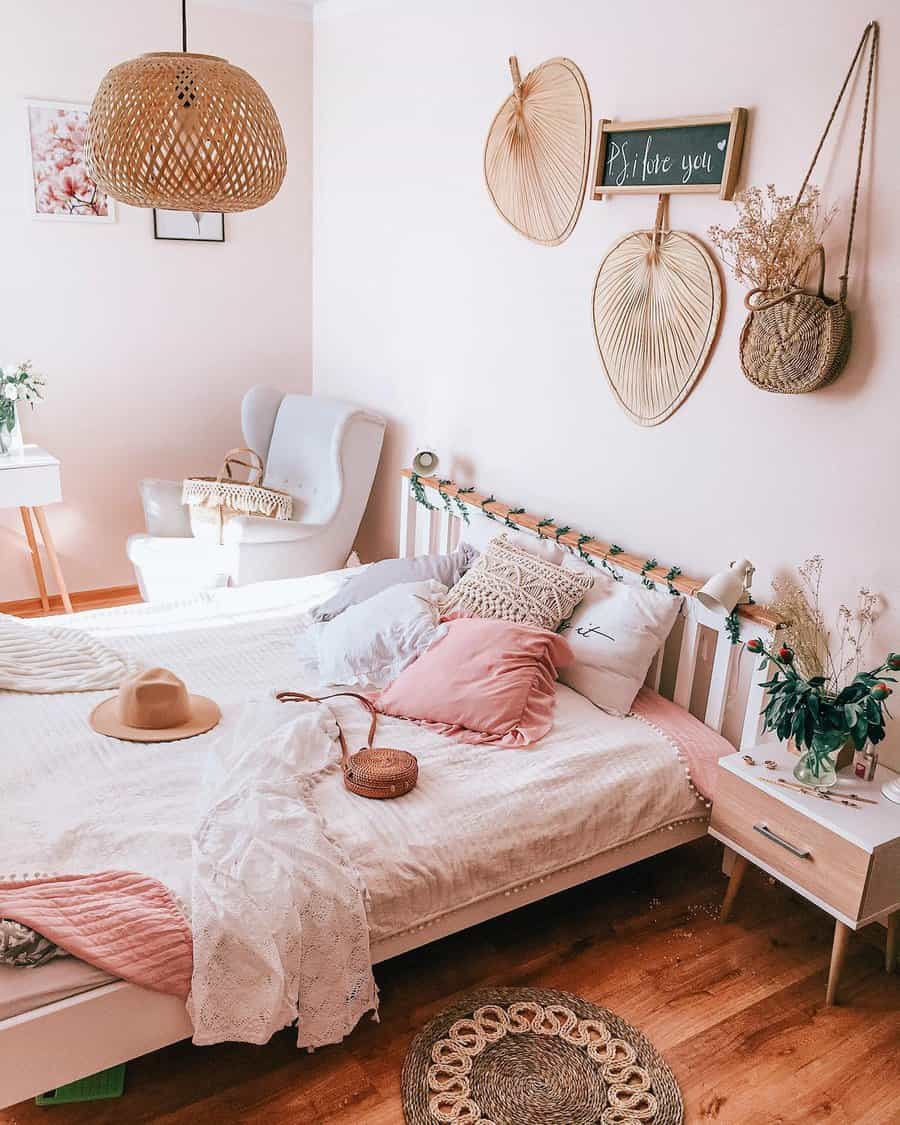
[{"x": 154, "y": 706}]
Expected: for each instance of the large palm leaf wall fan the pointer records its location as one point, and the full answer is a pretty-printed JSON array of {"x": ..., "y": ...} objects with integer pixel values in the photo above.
[
  {"x": 537, "y": 151},
  {"x": 657, "y": 304},
  {"x": 186, "y": 132}
]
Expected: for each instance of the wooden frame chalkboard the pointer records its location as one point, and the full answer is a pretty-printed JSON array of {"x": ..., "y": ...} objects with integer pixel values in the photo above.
[{"x": 678, "y": 154}]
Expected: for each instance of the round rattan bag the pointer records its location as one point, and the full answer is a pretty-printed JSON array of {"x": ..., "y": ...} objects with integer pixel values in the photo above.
[
  {"x": 795, "y": 342},
  {"x": 378, "y": 772}
]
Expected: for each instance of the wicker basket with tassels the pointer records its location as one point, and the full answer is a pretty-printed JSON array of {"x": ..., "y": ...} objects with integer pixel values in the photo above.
[
  {"x": 213, "y": 501},
  {"x": 797, "y": 341}
]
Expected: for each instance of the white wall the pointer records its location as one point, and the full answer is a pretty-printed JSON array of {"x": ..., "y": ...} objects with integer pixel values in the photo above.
[
  {"x": 147, "y": 346},
  {"x": 429, "y": 308}
]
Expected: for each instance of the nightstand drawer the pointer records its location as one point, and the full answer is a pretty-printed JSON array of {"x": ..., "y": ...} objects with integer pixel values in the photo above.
[{"x": 818, "y": 860}]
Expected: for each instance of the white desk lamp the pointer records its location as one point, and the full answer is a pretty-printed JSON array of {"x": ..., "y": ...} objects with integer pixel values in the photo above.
[
  {"x": 425, "y": 462},
  {"x": 728, "y": 588}
]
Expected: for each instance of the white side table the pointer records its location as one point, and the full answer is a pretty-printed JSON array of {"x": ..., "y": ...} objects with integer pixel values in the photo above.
[
  {"x": 845, "y": 860},
  {"x": 28, "y": 481}
]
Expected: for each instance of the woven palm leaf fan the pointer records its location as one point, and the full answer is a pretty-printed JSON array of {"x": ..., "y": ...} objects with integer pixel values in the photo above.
[
  {"x": 657, "y": 303},
  {"x": 537, "y": 151}
]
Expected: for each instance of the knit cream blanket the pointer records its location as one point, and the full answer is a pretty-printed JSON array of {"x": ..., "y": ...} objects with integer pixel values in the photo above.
[{"x": 43, "y": 660}]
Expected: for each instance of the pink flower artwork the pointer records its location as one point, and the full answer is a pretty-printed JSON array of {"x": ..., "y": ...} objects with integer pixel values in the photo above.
[{"x": 60, "y": 184}]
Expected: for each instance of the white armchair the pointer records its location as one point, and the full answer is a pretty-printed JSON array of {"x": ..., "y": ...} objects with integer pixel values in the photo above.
[{"x": 322, "y": 451}]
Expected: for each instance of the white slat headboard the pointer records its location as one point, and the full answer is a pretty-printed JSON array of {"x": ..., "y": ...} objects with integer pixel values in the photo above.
[{"x": 700, "y": 667}]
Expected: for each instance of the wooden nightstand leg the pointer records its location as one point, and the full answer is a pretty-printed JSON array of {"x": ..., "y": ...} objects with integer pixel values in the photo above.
[
  {"x": 890, "y": 947},
  {"x": 838, "y": 953},
  {"x": 35, "y": 557},
  {"x": 54, "y": 561},
  {"x": 734, "y": 885}
]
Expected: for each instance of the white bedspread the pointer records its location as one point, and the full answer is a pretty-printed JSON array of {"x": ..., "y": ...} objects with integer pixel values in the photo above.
[{"x": 479, "y": 822}]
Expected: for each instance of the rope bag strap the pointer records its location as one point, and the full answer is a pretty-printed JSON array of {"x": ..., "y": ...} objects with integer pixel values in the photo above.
[
  {"x": 872, "y": 30},
  {"x": 300, "y": 697}
]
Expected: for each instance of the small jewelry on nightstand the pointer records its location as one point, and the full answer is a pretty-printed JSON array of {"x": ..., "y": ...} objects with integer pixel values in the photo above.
[
  {"x": 770, "y": 765},
  {"x": 750, "y": 761}
]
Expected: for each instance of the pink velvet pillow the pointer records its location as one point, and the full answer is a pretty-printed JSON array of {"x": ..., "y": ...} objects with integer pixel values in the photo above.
[{"x": 485, "y": 681}]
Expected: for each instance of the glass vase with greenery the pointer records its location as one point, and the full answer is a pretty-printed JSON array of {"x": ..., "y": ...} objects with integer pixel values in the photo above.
[
  {"x": 819, "y": 696},
  {"x": 18, "y": 383}
]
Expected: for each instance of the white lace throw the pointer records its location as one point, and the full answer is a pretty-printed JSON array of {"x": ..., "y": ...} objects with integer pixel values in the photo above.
[
  {"x": 44, "y": 659},
  {"x": 278, "y": 914}
]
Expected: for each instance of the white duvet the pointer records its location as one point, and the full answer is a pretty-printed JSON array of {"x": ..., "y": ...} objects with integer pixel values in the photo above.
[{"x": 480, "y": 820}]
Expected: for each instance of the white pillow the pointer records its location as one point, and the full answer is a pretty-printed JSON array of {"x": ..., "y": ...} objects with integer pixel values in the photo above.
[
  {"x": 371, "y": 643},
  {"x": 480, "y": 531},
  {"x": 615, "y": 631}
]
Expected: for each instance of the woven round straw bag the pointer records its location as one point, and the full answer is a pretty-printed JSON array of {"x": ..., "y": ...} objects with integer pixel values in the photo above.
[
  {"x": 797, "y": 342},
  {"x": 378, "y": 772}
]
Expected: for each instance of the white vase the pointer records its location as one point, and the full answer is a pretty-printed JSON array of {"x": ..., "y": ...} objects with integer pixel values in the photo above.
[{"x": 11, "y": 443}]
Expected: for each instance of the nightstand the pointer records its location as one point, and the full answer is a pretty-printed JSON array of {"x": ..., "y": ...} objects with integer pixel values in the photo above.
[
  {"x": 845, "y": 860},
  {"x": 28, "y": 481}
]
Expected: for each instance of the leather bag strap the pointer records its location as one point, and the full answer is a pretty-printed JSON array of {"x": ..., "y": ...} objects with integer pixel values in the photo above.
[{"x": 300, "y": 697}]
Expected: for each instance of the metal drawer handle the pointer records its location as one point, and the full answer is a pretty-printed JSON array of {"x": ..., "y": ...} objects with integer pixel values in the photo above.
[{"x": 764, "y": 830}]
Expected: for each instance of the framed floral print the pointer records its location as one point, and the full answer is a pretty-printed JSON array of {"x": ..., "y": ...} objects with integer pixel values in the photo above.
[{"x": 59, "y": 184}]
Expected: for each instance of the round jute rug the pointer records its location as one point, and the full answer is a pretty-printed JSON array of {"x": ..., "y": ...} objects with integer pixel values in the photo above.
[{"x": 532, "y": 1056}]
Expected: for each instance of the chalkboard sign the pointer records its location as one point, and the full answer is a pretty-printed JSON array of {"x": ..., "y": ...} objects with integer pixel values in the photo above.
[{"x": 688, "y": 154}]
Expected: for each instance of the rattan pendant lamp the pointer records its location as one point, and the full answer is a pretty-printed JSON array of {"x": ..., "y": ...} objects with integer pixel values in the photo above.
[{"x": 186, "y": 132}]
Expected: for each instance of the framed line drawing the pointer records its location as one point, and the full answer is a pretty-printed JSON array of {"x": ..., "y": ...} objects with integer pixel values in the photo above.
[{"x": 188, "y": 226}]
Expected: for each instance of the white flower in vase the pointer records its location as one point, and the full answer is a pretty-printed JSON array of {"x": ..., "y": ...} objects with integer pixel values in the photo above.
[
  {"x": 10, "y": 371},
  {"x": 11, "y": 392}
]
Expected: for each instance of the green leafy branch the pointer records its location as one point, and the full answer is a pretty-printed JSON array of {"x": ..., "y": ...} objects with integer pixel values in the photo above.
[
  {"x": 418, "y": 492},
  {"x": 817, "y": 719},
  {"x": 650, "y": 564}
]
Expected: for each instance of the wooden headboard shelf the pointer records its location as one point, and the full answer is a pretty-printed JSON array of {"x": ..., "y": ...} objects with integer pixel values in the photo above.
[{"x": 596, "y": 548}]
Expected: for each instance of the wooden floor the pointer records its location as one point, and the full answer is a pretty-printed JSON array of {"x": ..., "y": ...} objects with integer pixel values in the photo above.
[
  {"x": 81, "y": 600},
  {"x": 737, "y": 1010}
]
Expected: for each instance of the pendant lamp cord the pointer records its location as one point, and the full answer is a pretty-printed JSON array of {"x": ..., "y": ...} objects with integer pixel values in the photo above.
[{"x": 184, "y": 26}]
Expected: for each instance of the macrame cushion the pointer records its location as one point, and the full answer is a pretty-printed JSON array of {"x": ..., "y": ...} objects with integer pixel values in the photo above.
[
  {"x": 614, "y": 633},
  {"x": 491, "y": 682},
  {"x": 511, "y": 584}
]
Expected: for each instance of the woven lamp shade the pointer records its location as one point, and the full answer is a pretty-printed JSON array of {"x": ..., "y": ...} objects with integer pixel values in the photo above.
[
  {"x": 537, "y": 151},
  {"x": 186, "y": 132}
]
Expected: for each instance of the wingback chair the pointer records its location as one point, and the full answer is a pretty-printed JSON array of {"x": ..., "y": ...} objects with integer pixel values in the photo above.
[{"x": 322, "y": 451}]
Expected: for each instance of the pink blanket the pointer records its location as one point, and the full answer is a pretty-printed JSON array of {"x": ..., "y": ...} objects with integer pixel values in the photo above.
[
  {"x": 698, "y": 745},
  {"x": 124, "y": 923}
]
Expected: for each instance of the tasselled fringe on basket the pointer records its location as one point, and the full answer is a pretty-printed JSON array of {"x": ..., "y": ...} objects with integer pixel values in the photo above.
[{"x": 240, "y": 497}]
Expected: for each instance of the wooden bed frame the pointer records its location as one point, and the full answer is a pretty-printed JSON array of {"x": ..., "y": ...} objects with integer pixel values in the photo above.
[{"x": 699, "y": 668}]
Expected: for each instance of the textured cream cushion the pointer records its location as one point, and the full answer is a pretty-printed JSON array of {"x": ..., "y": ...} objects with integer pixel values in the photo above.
[
  {"x": 480, "y": 530},
  {"x": 511, "y": 584},
  {"x": 614, "y": 634}
]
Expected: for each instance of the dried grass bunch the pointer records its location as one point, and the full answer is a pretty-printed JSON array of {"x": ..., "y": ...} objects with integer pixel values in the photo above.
[
  {"x": 835, "y": 654},
  {"x": 769, "y": 245}
]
